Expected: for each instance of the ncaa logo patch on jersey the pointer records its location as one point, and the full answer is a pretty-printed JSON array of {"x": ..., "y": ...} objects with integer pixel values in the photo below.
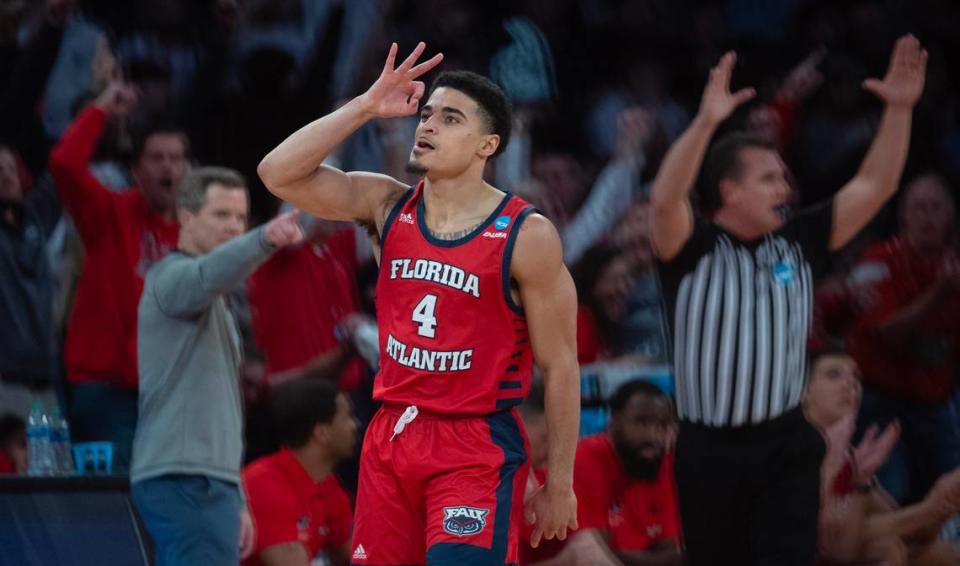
[
  {"x": 464, "y": 521},
  {"x": 783, "y": 272},
  {"x": 501, "y": 223}
]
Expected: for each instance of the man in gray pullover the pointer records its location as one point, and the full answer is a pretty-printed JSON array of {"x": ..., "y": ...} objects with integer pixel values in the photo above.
[{"x": 188, "y": 446}]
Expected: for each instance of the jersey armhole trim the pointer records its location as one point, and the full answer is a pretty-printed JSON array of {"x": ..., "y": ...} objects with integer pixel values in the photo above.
[
  {"x": 393, "y": 215},
  {"x": 508, "y": 258}
]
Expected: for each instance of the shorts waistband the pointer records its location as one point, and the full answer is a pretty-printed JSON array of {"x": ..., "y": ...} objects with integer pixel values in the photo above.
[
  {"x": 789, "y": 420},
  {"x": 397, "y": 409}
]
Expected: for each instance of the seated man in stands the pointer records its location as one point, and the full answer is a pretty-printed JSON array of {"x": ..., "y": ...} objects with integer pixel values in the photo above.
[
  {"x": 623, "y": 478},
  {"x": 859, "y": 522},
  {"x": 298, "y": 507}
]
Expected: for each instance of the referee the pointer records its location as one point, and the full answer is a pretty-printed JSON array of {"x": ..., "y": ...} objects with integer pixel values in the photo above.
[{"x": 738, "y": 286}]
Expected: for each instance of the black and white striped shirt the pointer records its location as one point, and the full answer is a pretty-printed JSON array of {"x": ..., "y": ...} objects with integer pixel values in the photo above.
[{"x": 739, "y": 314}]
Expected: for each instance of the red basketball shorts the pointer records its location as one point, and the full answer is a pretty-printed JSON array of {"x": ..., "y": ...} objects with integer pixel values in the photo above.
[{"x": 442, "y": 492}]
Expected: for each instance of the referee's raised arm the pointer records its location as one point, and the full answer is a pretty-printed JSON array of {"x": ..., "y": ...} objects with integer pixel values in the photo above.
[{"x": 672, "y": 220}]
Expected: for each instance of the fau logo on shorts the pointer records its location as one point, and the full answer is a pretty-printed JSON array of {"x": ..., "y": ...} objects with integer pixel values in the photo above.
[
  {"x": 406, "y": 218},
  {"x": 463, "y": 521}
]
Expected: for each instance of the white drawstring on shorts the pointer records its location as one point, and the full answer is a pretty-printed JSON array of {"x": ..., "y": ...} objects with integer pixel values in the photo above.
[{"x": 406, "y": 418}]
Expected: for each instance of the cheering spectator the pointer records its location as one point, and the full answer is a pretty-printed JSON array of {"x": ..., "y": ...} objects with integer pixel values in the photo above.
[
  {"x": 28, "y": 356},
  {"x": 188, "y": 445},
  {"x": 123, "y": 235},
  {"x": 859, "y": 522},
  {"x": 906, "y": 338},
  {"x": 298, "y": 506}
]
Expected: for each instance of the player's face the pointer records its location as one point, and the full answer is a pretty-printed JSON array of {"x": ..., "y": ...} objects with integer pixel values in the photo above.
[
  {"x": 222, "y": 217},
  {"x": 640, "y": 433},
  {"x": 159, "y": 169},
  {"x": 928, "y": 214},
  {"x": 343, "y": 429},
  {"x": 834, "y": 389},
  {"x": 451, "y": 137},
  {"x": 760, "y": 196}
]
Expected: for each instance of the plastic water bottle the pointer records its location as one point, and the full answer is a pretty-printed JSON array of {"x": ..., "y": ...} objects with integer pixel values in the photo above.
[
  {"x": 39, "y": 450},
  {"x": 60, "y": 441}
]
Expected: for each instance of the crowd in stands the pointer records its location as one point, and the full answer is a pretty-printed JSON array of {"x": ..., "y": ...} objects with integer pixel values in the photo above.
[{"x": 106, "y": 106}]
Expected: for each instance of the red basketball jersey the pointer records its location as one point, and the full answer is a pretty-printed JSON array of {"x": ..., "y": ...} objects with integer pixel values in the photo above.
[{"x": 452, "y": 339}]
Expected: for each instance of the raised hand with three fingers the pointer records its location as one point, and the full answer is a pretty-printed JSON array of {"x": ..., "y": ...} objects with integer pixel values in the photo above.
[{"x": 397, "y": 92}]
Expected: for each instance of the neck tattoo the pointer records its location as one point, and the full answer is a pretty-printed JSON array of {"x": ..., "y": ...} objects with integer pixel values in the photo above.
[{"x": 453, "y": 235}]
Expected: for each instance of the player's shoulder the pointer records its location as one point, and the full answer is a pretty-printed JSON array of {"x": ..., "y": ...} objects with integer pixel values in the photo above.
[
  {"x": 538, "y": 225},
  {"x": 538, "y": 240},
  {"x": 383, "y": 190}
]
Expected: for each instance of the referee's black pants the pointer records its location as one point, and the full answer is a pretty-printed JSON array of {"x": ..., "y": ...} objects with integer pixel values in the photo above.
[{"x": 750, "y": 495}]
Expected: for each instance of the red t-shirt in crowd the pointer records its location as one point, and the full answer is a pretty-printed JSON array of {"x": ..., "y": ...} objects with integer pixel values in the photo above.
[
  {"x": 636, "y": 514},
  {"x": 122, "y": 237},
  {"x": 888, "y": 278},
  {"x": 299, "y": 296},
  {"x": 288, "y": 506}
]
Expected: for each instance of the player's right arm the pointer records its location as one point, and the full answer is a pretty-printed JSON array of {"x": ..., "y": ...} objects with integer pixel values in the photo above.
[
  {"x": 671, "y": 221},
  {"x": 294, "y": 170}
]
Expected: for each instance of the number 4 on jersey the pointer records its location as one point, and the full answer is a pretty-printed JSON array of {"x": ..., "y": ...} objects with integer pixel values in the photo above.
[{"x": 423, "y": 316}]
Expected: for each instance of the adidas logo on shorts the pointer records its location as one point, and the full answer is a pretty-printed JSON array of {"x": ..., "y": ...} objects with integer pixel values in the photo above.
[{"x": 360, "y": 553}]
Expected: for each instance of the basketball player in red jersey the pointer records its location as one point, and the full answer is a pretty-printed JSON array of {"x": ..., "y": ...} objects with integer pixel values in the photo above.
[{"x": 472, "y": 290}]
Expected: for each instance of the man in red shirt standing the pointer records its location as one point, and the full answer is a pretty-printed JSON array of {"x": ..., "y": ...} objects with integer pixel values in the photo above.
[
  {"x": 906, "y": 338},
  {"x": 123, "y": 235},
  {"x": 297, "y": 504}
]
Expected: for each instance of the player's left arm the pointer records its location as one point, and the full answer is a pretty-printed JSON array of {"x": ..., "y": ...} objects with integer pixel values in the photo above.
[
  {"x": 879, "y": 174},
  {"x": 549, "y": 300}
]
